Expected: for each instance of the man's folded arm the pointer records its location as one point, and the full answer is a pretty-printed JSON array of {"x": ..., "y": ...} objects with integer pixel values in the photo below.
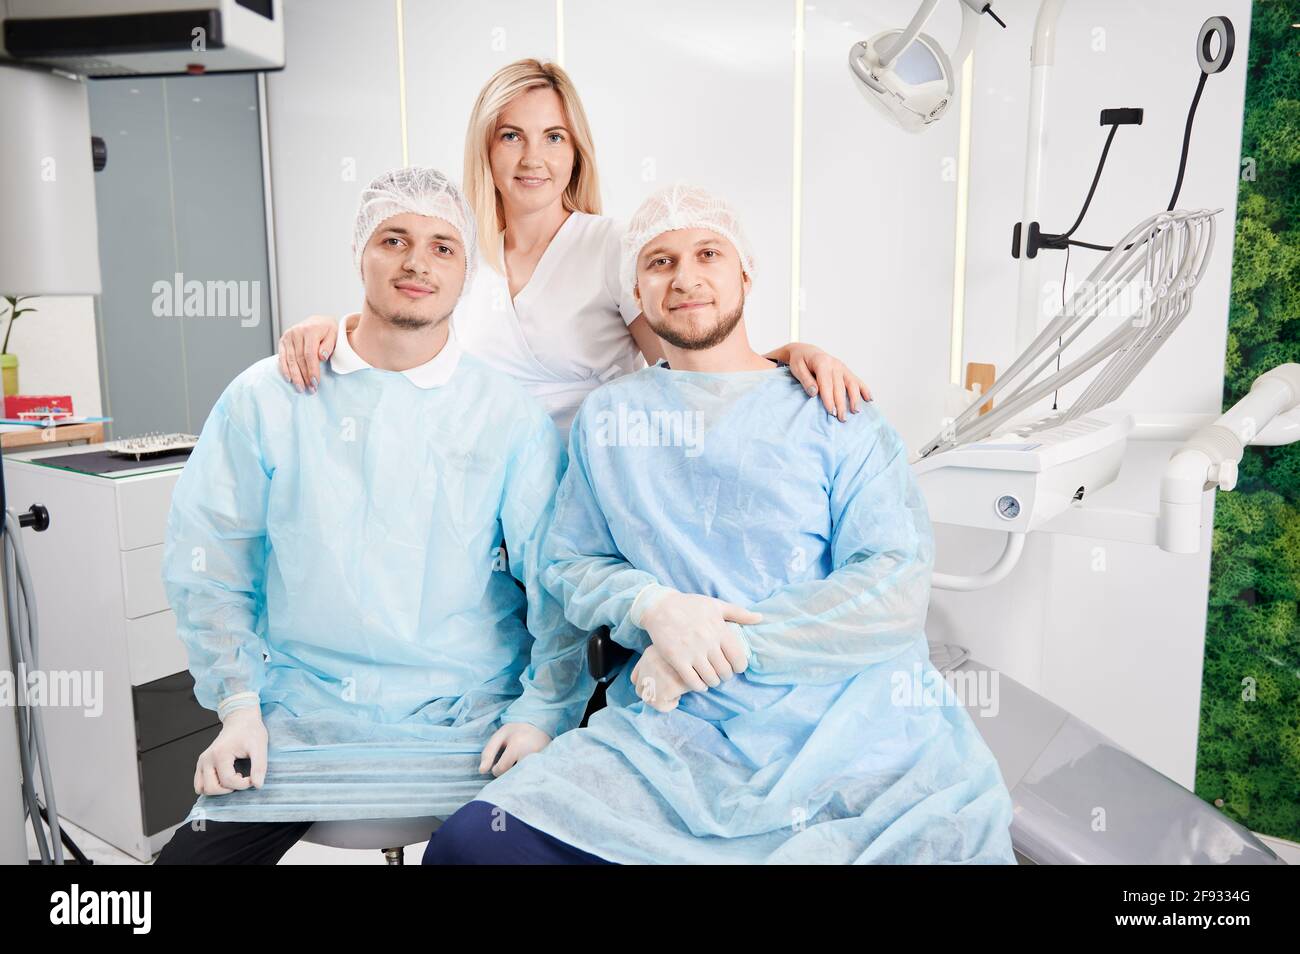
[
  {"x": 214, "y": 562},
  {"x": 583, "y": 566},
  {"x": 872, "y": 606},
  {"x": 556, "y": 684}
]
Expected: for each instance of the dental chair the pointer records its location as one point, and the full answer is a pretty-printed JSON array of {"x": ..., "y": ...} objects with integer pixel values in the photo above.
[
  {"x": 1079, "y": 798},
  {"x": 1060, "y": 772},
  {"x": 374, "y": 834}
]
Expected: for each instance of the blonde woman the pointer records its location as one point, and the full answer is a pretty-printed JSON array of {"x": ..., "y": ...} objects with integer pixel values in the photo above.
[{"x": 546, "y": 307}]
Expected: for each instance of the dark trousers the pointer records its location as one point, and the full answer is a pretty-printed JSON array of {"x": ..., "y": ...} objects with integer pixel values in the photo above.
[
  {"x": 232, "y": 843},
  {"x": 482, "y": 834}
]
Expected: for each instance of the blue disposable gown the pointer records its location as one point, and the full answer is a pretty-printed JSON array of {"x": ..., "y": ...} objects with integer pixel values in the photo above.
[
  {"x": 340, "y": 554},
  {"x": 747, "y": 490}
]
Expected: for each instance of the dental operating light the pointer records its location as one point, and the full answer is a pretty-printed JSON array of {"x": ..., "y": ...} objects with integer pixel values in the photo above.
[{"x": 907, "y": 74}]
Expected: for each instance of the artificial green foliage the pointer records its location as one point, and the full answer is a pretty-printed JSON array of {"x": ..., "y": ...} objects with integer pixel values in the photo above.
[{"x": 1248, "y": 760}]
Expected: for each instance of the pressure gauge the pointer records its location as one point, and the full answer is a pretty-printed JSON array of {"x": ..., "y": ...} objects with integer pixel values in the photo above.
[{"x": 1008, "y": 507}]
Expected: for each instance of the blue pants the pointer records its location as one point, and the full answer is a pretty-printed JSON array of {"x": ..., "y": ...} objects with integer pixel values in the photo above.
[{"x": 482, "y": 834}]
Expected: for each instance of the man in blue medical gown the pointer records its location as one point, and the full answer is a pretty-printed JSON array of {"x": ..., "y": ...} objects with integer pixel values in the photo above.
[
  {"x": 345, "y": 567},
  {"x": 770, "y": 568}
]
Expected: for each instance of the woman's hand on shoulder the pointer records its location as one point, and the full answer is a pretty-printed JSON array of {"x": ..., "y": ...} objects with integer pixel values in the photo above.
[
  {"x": 303, "y": 347},
  {"x": 823, "y": 374}
]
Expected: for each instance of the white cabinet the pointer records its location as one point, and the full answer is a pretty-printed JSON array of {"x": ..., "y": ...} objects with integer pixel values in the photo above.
[{"x": 119, "y": 762}]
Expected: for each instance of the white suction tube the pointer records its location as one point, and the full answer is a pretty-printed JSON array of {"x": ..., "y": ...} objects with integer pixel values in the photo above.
[
  {"x": 1209, "y": 459},
  {"x": 999, "y": 571}
]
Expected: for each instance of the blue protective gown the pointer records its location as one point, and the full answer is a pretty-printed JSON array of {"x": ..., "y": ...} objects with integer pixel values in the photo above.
[
  {"x": 742, "y": 487},
  {"x": 340, "y": 554}
]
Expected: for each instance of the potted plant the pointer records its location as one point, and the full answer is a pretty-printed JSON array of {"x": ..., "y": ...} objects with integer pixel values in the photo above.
[{"x": 9, "y": 362}]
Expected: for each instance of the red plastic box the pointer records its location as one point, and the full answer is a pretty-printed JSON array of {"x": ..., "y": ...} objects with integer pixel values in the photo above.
[{"x": 29, "y": 406}]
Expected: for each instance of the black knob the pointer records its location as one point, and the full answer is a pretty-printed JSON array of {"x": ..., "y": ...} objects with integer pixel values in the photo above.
[
  {"x": 36, "y": 517},
  {"x": 98, "y": 153}
]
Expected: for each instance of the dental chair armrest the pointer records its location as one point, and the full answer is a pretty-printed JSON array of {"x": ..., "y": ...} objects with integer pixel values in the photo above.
[{"x": 604, "y": 655}]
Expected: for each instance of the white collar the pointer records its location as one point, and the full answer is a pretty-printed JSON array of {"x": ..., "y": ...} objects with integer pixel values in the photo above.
[{"x": 435, "y": 372}]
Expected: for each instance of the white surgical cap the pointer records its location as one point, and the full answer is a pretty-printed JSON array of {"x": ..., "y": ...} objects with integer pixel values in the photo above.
[
  {"x": 424, "y": 192},
  {"x": 680, "y": 207}
]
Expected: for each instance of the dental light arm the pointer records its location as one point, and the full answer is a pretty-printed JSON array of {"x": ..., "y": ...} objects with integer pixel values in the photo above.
[{"x": 971, "y": 9}]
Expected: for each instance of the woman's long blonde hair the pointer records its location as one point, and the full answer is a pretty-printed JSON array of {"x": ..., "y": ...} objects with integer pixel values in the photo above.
[{"x": 583, "y": 191}]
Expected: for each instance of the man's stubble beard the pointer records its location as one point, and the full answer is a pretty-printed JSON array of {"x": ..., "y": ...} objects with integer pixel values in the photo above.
[
  {"x": 715, "y": 336},
  {"x": 407, "y": 321}
]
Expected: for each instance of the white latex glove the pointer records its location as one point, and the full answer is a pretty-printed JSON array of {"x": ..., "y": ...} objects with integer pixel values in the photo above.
[
  {"x": 512, "y": 741},
  {"x": 243, "y": 736},
  {"x": 692, "y": 634},
  {"x": 656, "y": 682}
]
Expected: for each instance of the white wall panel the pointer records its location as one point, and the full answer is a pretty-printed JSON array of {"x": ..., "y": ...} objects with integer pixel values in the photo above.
[
  {"x": 333, "y": 119},
  {"x": 703, "y": 93}
]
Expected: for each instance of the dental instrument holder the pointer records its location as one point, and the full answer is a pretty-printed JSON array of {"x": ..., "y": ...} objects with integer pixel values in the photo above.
[
  {"x": 1161, "y": 259},
  {"x": 1042, "y": 59},
  {"x": 1037, "y": 238},
  {"x": 1037, "y": 471},
  {"x": 1210, "y": 62}
]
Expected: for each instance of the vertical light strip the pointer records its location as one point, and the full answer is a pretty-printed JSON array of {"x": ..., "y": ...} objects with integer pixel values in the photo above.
[
  {"x": 559, "y": 32},
  {"x": 957, "y": 344},
  {"x": 796, "y": 191},
  {"x": 401, "y": 78},
  {"x": 268, "y": 208},
  {"x": 176, "y": 247}
]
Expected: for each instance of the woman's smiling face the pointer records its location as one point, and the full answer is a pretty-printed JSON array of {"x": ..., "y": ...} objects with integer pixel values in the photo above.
[{"x": 532, "y": 152}]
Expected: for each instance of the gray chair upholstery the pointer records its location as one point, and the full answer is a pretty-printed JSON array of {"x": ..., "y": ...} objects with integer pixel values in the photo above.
[{"x": 388, "y": 835}]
